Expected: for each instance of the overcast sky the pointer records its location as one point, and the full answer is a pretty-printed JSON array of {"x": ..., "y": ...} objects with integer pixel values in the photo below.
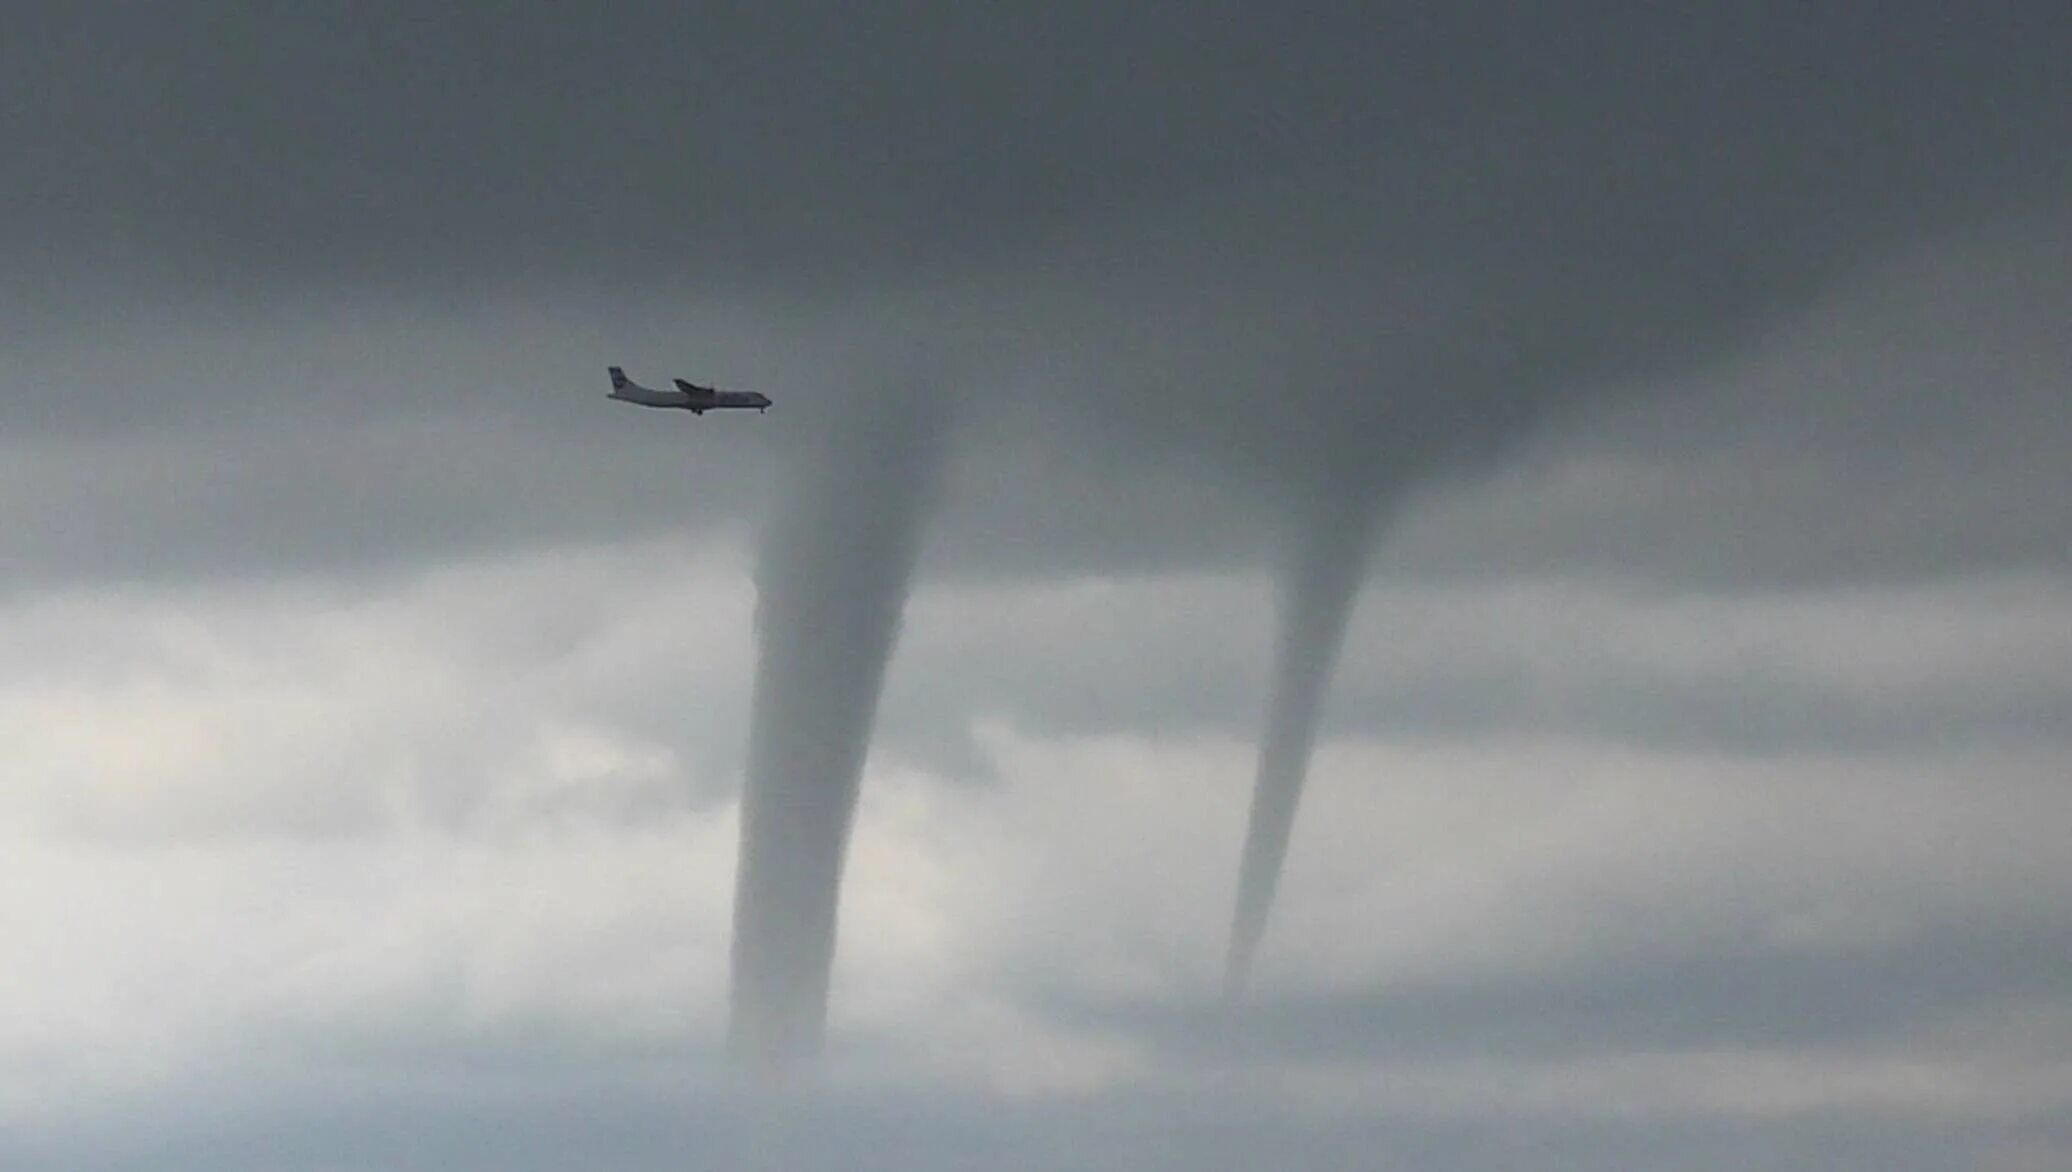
[{"x": 374, "y": 695}]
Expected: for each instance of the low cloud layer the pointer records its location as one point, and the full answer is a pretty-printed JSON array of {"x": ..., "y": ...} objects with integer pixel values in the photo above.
[{"x": 1680, "y": 933}]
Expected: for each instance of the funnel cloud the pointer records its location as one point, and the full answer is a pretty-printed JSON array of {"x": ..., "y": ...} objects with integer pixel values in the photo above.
[
  {"x": 1316, "y": 601},
  {"x": 831, "y": 584}
]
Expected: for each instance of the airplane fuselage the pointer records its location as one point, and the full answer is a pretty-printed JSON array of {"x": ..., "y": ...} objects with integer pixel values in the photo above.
[{"x": 686, "y": 397}]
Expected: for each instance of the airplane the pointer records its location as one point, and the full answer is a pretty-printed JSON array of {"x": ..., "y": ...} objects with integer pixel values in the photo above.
[{"x": 687, "y": 395}]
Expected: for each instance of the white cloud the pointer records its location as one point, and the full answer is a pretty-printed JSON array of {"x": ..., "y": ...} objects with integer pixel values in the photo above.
[
  {"x": 327, "y": 710},
  {"x": 375, "y": 827},
  {"x": 447, "y": 805}
]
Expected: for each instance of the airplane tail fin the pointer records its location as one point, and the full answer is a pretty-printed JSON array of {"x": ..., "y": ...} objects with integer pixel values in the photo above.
[{"x": 618, "y": 377}]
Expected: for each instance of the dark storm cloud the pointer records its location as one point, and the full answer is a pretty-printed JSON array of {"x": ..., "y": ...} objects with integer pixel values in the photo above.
[
  {"x": 456, "y": 129},
  {"x": 786, "y": 142},
  {"x": 1909, "y": 426},
  {"x": 1192, "y": 245}
]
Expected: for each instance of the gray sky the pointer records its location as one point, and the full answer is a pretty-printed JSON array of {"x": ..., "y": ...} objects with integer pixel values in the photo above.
[{"x": 376, "y": 695}]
